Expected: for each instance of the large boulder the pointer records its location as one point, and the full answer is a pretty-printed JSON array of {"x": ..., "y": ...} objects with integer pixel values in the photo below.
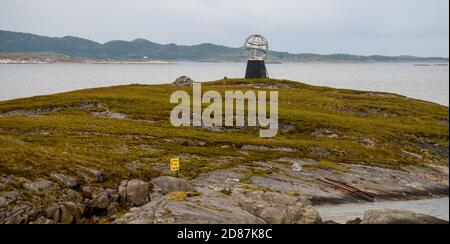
[
  {"x": 168, "y": 184},
  {"x": 137, "y": 192},
  {"x": 388, "y": 216}
]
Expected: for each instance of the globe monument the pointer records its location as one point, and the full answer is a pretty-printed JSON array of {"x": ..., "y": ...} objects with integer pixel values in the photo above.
[{"x": 256, "y": 48}]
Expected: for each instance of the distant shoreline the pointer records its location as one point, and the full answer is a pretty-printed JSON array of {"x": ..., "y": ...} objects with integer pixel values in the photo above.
[
  {"x": 130, "y": 62},
  {"x": 159, "y": 62},
  {"x": 25, "y": 46},
  {"x": 8, "y": 61}
]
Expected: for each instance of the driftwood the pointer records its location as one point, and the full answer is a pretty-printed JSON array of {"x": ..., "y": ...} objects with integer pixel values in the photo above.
[{"x": 352, "y": 190}]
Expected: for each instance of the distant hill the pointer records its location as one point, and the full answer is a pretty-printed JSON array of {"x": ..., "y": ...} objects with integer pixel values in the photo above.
[{"x": 15, "y": 42}]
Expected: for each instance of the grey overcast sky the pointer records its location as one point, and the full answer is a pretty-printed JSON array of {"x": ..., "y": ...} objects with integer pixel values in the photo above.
[{"x": 386, "y": 27}]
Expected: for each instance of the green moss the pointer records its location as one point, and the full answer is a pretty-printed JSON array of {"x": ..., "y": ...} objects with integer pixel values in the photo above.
[
  {"x": 245, "y": 180},
  {"x": 226, "y": 191},
  {"x": 327, "y": 165},
  {"x": 182, "y": 196},
  {"x": 255, "y": 188},
  {"x": 68, "y": 137}
]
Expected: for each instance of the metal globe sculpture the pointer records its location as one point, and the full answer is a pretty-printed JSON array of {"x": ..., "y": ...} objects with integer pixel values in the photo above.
[{"x": 256, "y": 47}]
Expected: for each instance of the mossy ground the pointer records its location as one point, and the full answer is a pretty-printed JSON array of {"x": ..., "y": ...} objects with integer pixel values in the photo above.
[{"x": 64, "y": 139}]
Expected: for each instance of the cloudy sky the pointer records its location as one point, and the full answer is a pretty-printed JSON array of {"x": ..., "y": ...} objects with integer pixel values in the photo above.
[{"x": 387, "y": 27}]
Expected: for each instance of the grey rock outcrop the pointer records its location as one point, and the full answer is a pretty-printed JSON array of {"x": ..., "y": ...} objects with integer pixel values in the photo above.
[
  {"x": 168, "y": 184},
  {"x": 101, "y": 200},
  {"x": 68, "y": 181},
  {"x": 210, "y": 208},
  {"x": 389, "y": 216},
  {"x": 65, "y": 213},
  {"x": 302, "y": 213},
  {"x": 273, "y": 216},
  {"x": 9, "y": 197},
  {"x": 135, "y": 192},
  {"x": 213, "y": 207},
  {"x": 289, "y": 209},
  {"x": 38, "y": 185},
  {"x": 122, "y": 191}
]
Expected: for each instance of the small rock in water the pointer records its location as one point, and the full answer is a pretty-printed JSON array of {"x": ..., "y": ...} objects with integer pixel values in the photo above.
[
  {"x": 183, "y": 81},
  {"x": 356, "y": 221},
  {"x": 388, "y": 216}
]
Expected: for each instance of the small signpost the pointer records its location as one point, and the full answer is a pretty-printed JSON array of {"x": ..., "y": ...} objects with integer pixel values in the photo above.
[{"x": 175, "y": 165}]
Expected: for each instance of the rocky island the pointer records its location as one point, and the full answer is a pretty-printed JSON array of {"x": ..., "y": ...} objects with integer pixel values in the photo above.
[{"x": 102, "y": 156}]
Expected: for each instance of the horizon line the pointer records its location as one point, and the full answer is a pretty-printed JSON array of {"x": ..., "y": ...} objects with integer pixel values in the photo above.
[{"x": 222, "y": 45}]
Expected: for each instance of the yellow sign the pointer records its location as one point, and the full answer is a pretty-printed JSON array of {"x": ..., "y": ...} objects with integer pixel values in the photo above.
[{"x": 175, "y": 164}]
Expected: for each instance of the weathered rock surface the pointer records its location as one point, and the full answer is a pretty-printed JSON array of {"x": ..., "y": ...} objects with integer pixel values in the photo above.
[
  {"x": 53, "y": 203},
  {"x": 137, "y": 192},
  {"x": 122, "y": 191},
  {"x": 101, "y": 200},
  {"x": 212, "y": 207},
  {"x": 302, "y": 213},
  {"x": 38, "y": 185},
  {"x": 17, "y": 214},
  {"x": 284, "y": 176},
  {"x": 263, "y": 148},
  {"x": 9, "y": 197},
  {"x": 169, "y": 184},
  {"x": 388, "y": 216},
  {"x": 68, "y": 181},
  {"x": 272, "y": 192},
  {"x": 273, "y": 215},
  {"x": 93, "y": 175}
]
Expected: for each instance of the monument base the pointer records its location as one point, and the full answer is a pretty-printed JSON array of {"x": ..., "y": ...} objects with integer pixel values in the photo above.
[{"x": 256, "y": 69}]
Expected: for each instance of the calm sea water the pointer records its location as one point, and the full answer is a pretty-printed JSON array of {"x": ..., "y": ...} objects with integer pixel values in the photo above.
[
  {"x": 430, "y": 83},
  {"x": 438, "y": 207}
]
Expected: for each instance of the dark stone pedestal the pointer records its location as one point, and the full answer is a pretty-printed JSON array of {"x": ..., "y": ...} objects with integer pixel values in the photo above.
[{"x": 256, "y": 69}]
